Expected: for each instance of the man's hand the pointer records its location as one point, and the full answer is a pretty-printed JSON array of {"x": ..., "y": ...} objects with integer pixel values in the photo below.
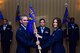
[
  {"x": 37, "y": 35},
  {"x": 39, "y": 47},
  {"x": 35, "y": 31},
  {"x": 37, "y": 43}
]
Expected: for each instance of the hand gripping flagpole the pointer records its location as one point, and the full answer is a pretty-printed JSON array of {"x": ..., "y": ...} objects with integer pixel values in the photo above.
[
  {"x": 32, "y": 14},
  {"x": 37, "y": 37}
]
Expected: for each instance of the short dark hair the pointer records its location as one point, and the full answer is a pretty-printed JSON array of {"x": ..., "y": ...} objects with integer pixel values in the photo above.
[
  {"x": 41, "y": 19},
  {"x": 5, "y": 19},
  {"x": 58, "y": 21},
  {"x": 72, "y": 18},
  {"x": 21, "y": 17}
]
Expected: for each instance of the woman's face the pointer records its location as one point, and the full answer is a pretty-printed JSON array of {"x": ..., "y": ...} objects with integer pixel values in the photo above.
[{"x": 55, "y": 24}]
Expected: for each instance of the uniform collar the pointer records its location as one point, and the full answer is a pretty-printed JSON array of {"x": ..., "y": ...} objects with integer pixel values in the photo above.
[
  {"x": 24, "y": 27},
  {"x": 42, "y": 27},
  {"x": 55, "y": 28}
]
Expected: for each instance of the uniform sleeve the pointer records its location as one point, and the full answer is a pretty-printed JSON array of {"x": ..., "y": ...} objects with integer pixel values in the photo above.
[
  {"x": 77, "y": 31},
  {"x": 21, "y": 39},
  {"x": 57, "y": 37},
  {"x": 0, "y": 29},
  {"x": 11, "y": 33}
]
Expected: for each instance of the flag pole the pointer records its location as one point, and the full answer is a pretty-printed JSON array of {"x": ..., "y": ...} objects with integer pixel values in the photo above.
[
  {"x": 37, "y": 37},
  {"x": 33, "y": 17},
  {"x": 66, "y": 5}
]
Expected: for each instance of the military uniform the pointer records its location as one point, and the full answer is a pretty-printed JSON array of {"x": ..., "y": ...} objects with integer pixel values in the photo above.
[
  {"x": 6, "y": 37},
  {"x": 24, "y": 40},
  {"x": 44, "y": 32},
  {"x": 73, "y": 33},
  {"x": 56, "y": 42}
]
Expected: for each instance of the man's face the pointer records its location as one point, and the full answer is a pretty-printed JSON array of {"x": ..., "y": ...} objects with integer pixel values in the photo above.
[
  {"x": 24, "y": 21},
  {"x": 72, "y": 21},
  {"x": 4, "y": 22},
  {"x": 42, "y": 23}
]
